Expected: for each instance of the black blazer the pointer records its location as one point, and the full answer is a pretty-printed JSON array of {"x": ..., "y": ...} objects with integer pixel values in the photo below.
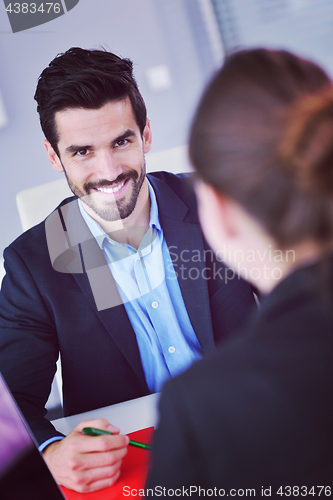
[
  {"x": 259, "y": 412},
  {"x": 45, "y": 309}
]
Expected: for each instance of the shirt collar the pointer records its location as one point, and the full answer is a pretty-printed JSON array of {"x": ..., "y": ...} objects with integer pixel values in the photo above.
[{"x": 98, "y": 232}]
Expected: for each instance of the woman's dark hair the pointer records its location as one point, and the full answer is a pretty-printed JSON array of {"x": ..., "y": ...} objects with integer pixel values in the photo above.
[
  {"x": 263, "y": 135},
  {"x": 86, "y": 79}
]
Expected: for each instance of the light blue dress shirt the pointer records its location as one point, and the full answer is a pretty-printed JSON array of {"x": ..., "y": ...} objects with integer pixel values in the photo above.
[{"x": 149, "y": 289}]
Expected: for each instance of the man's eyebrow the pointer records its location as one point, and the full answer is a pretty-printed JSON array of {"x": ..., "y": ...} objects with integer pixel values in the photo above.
[
  {"x": 75, "y": 148},
  {"x": 129, "y": 133}
]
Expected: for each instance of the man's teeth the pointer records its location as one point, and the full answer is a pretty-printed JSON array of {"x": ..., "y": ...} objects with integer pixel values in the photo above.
[{"x": 110, "y": 189}]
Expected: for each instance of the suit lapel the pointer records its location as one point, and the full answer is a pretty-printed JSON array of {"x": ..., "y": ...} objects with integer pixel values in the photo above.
[
  {"x": 186, "y": 247},
  {"x": 93, "y": 276}
]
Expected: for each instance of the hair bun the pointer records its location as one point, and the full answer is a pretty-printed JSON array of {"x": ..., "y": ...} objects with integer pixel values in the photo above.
[{"x": 307, "y": 148}]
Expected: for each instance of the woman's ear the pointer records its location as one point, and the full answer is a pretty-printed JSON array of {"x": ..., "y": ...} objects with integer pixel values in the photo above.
[
  {"x": 216, "y": 214},
  {"x": 53, "y": 157},
  {"x": 227, "y": 210}
]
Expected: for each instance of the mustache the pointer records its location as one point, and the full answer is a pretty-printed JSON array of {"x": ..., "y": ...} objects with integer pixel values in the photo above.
[{"x": 105, "y": 183}]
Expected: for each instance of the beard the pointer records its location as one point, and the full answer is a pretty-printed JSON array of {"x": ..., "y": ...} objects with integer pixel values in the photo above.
[{"x": 113, "y": 210}]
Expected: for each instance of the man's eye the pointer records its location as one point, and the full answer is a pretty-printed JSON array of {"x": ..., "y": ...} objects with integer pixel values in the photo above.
[
  {"x": 82, "y": 152},
  {"x": 122, "y": 142}
]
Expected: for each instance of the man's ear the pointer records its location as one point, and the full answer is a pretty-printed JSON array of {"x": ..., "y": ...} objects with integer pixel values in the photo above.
[
  {"x": 147, "y": 137},
  {"x": 53, "y": 157}
]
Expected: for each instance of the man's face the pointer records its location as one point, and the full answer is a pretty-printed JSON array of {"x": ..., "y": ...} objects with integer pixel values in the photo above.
[{"x": 102, "y": 155}]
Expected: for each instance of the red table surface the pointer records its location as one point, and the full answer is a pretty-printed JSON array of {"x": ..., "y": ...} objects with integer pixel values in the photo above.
[{"x": 133, "y": 472}]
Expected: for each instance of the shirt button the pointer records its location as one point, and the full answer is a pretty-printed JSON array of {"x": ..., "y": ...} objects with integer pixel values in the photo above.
[
  {"x": 155, "y": 304},
  {"x": 171, "y": 349}
]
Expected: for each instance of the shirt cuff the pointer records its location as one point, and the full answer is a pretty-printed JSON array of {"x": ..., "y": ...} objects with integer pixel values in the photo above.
[{"x": 49, "y": 441}]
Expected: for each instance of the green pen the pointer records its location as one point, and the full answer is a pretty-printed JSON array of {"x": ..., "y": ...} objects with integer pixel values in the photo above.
[{"x": 92, "y": 431}]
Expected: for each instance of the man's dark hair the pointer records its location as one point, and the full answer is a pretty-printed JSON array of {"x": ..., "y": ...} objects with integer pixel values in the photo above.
[{"x": 86, "y": 79}]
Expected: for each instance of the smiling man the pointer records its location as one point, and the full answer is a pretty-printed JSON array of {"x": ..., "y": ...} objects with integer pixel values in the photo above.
[
  {"x": 94, "y": 142},
  {"x": 118, "y": 279},
  {"x": 101, "y": 152}
]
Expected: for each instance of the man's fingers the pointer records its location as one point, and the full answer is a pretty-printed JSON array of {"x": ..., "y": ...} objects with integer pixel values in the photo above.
[
  {"x": 93, "y": 479},
  {"x": 103, "y": 459},
  {"x": 89, "y": 444},
  {"x": 101, "y": 473},
  {"x": 98, "y": 423},
  {"x": 87, "y": 463},
  {"x": 98, "y": 484}
]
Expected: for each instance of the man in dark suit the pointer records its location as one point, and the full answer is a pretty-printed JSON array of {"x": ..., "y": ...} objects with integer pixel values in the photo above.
[{"x": 118, "y": 279}]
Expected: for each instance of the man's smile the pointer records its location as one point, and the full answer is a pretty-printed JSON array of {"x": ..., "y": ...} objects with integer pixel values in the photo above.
[
  {"x": 116, "y": 188},
  {"x": 111, "y": 189}
]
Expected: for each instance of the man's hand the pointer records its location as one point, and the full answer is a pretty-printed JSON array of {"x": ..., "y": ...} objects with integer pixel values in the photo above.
[{"x": 85, "y": 463}]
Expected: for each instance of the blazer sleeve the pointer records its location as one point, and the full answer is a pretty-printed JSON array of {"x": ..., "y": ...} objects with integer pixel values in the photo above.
[
  {"x": 175, "y": 459},
  {"x": 28, "y": 343}
]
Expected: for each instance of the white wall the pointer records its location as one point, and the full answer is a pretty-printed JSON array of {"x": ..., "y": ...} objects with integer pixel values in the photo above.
[
  {"x": 301, "y": 26},
  {"x": 150, "y": 32}
]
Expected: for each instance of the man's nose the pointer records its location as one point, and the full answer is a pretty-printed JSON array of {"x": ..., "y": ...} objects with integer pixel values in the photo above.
[{"x": 107, "y": 166}]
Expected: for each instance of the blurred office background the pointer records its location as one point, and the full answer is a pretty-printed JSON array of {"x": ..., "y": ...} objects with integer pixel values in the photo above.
[{"x": 175, "y": 44}]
